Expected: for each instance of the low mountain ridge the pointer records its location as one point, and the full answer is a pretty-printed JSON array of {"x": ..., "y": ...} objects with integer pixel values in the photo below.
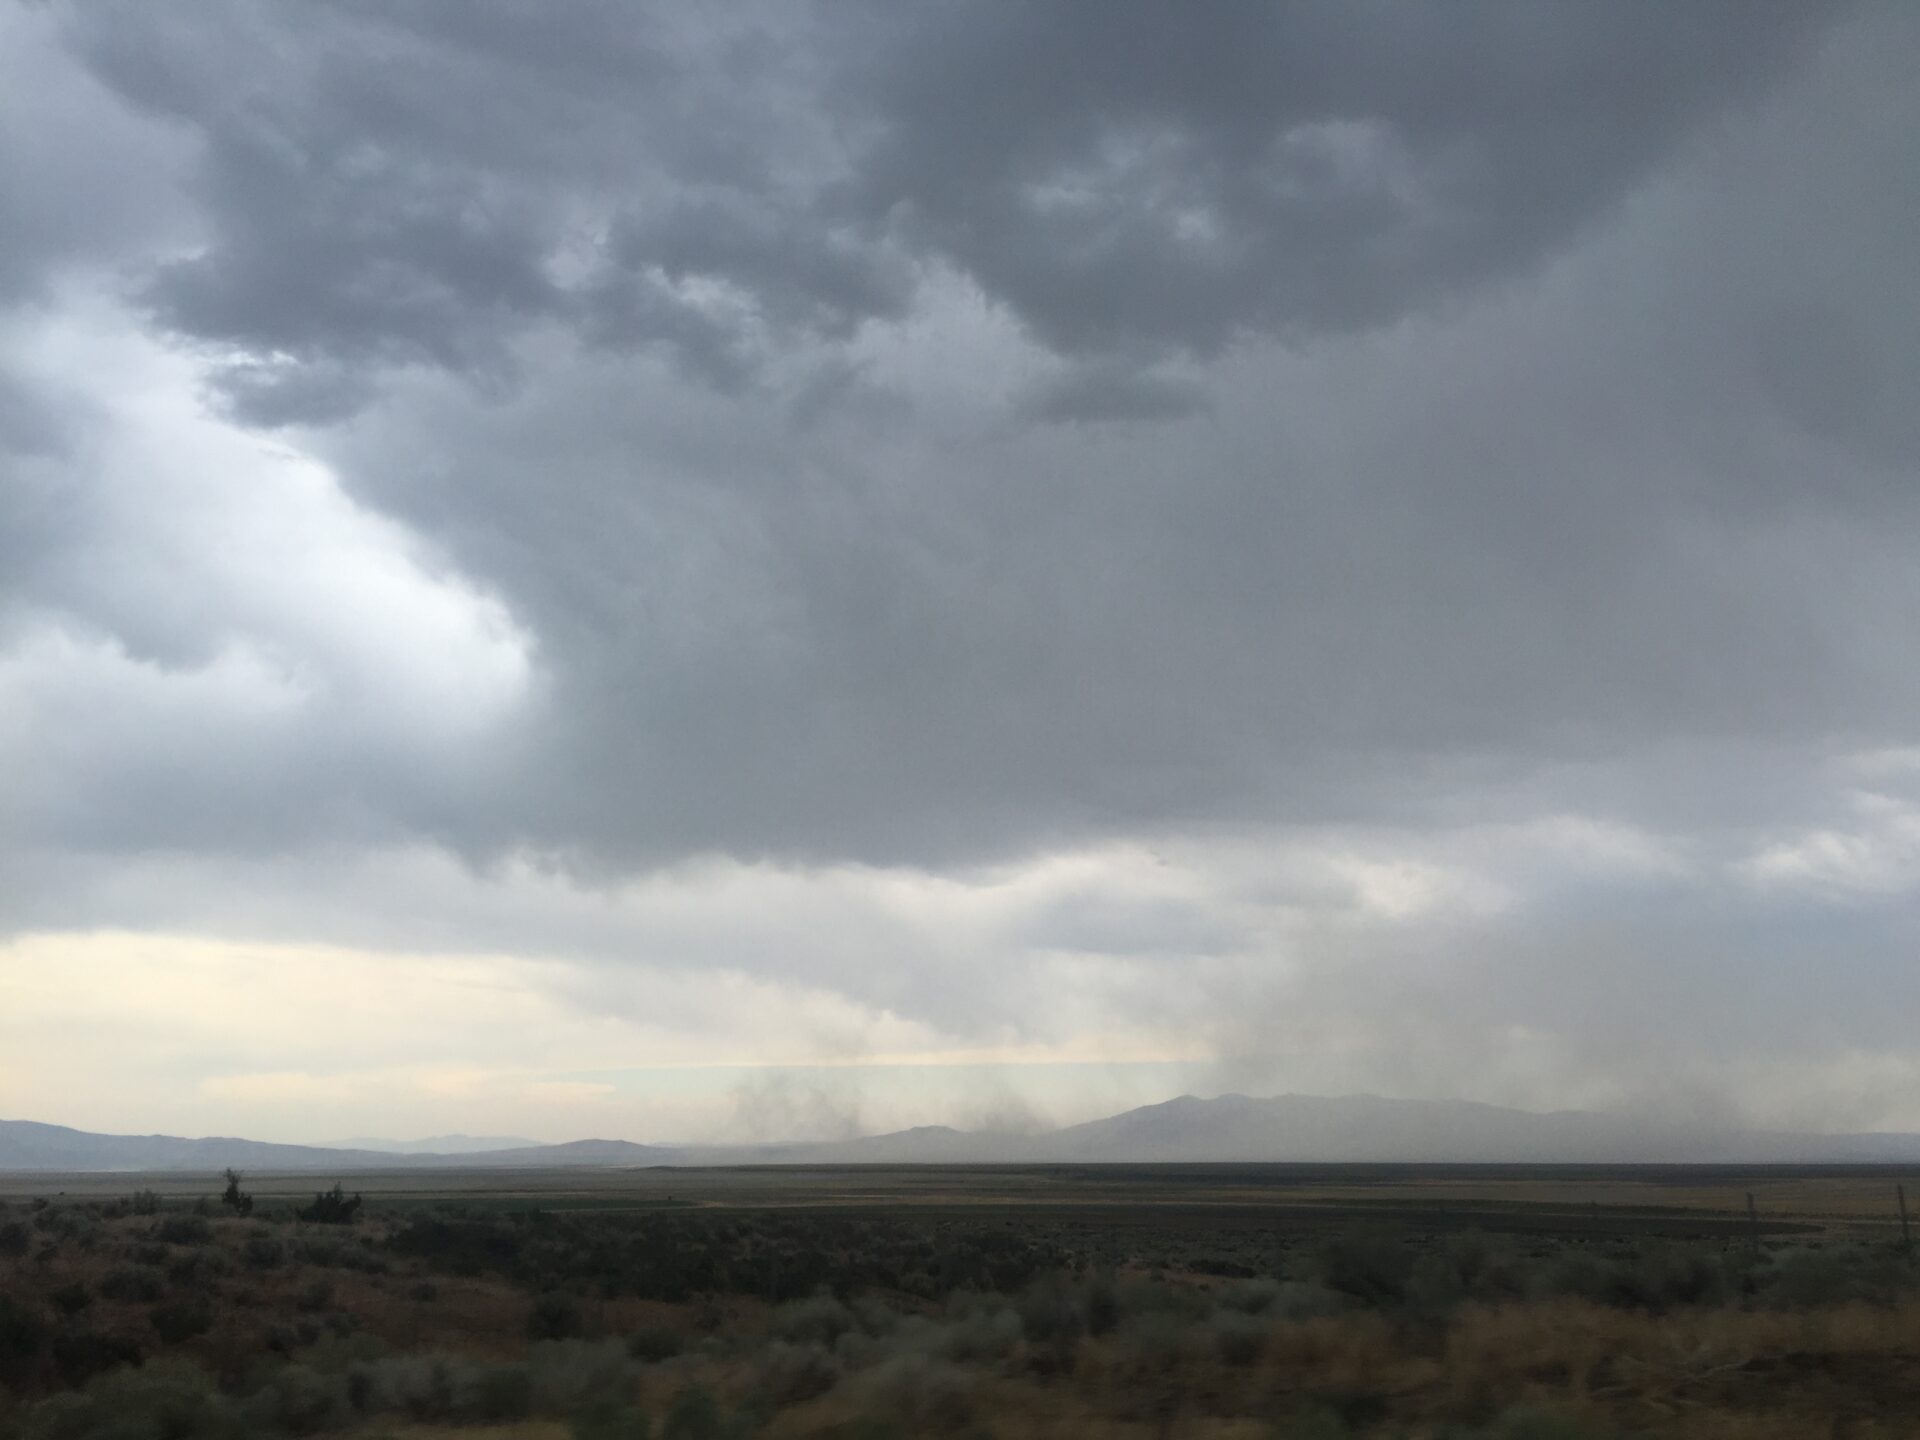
[
  {"x": 436, "y": 1144},
  {"x": 1350, "y": 1129},
  {"x": 27, "y": 1145}
]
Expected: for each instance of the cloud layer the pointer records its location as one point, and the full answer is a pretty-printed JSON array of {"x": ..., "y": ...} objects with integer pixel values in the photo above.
[{"x": 1341, "y": 547}]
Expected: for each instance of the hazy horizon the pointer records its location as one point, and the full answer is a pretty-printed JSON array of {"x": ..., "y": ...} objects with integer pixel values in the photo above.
[
  {"x": 809, "y": 1119},
  {"x": 627, "y": 571},
  {"x": 1224, "y": 1127}
]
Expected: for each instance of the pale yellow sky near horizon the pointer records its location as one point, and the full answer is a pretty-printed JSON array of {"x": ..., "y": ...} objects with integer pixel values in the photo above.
[{"x": 123, "y": 1032}]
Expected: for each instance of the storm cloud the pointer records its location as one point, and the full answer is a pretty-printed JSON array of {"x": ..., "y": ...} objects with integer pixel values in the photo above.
[{"x": 1340, "y": 544}]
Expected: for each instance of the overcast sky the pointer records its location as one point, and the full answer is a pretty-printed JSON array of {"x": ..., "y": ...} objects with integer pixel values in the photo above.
[{"x": 624, "y": 570}]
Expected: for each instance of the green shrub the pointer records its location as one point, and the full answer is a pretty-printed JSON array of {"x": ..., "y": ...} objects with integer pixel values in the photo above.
[
  {"x": 1238, "y": 1339},
  {"x": 331, "y": 1207},
  {"x": 819, "y": 1320},
  {"x": 133, "y": 1282},
  {"x": 425, "y": 1387},
  {"x": 553, "y": 1317},
  {"x": 1154, "y": 1296},
  {"x": 82, "y": 1354},
  {"x": 23, "y": 1338},
  {"x": 1053, "y": 1321},
  {"x": 1306, "y": 1300},
  {"x": 155, "y": 1403},
  {"x": 1314, "y": 1423},
  {"x": 654, "y": 1344},
  {"x": 1529, "y": 1423},
  {"x": 72, "y": 1298},
  {"x": 181, "y": 1320},
  {"x": 1370, "y": 1267},
  {"x": 1251, "y": 1297},
  {"x": 1155, "y": 1342},
  {"x": 297, "y": 1400},
  {"x": 787, "y": 1374},
  {"x": 502, "y": 1393},
  {"x": 183, "y": 1230},
  {"x": 326, "y": 1251},
  {"x": 981, "y": 1334},
  {"x": 921, "y": 1395},
  {"x": 1667, "y": 1276},
  {"x": 234, "y": 1198},
  {"x": 610, "y": 1421},
  {"x": 1357, "y": 1407},
  {"x": 318, "y": 1295},
  {"x": 442, "y": 1388},
  {"x": 1806, "y": 1277},
  {"x": 194, "y": 1268},
  {"x": 1656, "y": 1277},
  {"x": 1101, "y": 1304},
  {"x": 567, "y": 1374},
  {"x": 693, "y": 1415}
]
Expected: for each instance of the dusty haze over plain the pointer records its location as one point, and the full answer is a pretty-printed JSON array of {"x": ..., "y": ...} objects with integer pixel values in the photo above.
[{"x": 616, "y": 570}]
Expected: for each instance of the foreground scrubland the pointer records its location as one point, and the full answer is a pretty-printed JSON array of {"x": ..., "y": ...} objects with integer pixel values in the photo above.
[{"x": 130, "y": 1319}]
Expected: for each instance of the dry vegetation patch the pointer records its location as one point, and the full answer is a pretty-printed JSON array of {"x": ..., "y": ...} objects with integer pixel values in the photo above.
[{"x": 147, "y": 1321}]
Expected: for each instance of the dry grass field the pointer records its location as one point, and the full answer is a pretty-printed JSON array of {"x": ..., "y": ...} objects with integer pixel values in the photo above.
[
  {"x": 1850, "y": 1197},
  {"x": 1198, "y": 1301}
]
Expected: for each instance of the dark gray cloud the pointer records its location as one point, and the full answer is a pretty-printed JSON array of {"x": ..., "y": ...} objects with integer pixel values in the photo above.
[
  {"x": 1134, "y": 173},
  {"x": 1099, "y": 391},
  {"x": 1544, "y": 525},
  {"x": 1547, "y": 525},
  {"x": 416, "y": 184},
  {"x": 419, "y": 184}
]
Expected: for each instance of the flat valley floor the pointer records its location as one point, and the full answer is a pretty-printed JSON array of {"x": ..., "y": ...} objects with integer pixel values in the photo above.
[
  {"x": 1675, "y": 1200},
  {"x": 1156, "y": 1302}
]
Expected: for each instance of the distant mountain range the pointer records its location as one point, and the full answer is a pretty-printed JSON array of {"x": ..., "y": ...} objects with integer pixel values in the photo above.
[
  {"x": 1352, "y": 1129},
  {"x": 436, "y": 1144},
  {"x": 27, "y": 1145}
]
